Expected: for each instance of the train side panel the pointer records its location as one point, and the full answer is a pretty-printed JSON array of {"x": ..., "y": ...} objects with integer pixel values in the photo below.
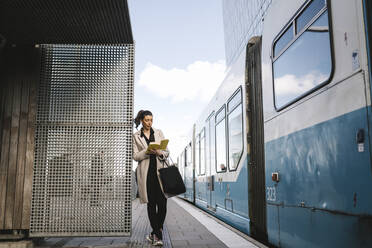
[
  {"x": 224, "y": 193},
  {"x": 319, "y": 143},
  {"x": 189, "y": 174}
]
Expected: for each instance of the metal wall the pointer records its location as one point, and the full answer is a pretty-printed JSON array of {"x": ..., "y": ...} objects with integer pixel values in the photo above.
[{"x": 83, "y": 151}]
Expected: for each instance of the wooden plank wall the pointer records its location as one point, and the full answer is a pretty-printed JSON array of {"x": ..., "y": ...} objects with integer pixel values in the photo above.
[{"x": 19, "y": 78}]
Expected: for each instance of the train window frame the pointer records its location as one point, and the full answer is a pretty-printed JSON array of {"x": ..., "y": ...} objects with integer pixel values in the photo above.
[
  {"x": 283, "y": 35},
  {"x": 188, "y": 149},
  {"x": 184, "y": 158},
  {"x": 297, "y": 34},
  {"x": 202, "y": 137},
  {"x": 216, "y": 122},
  {"x": 210, "y": 122},
  {"x": 184, "y": 161},
  {"x": 239, "y": 91},
  {"x": 181, "y": 165},
  {"x": 197, "y": 154}
]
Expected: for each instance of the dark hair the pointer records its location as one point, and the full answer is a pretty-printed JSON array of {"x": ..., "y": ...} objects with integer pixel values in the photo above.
[{"x": 140, "y": 116}]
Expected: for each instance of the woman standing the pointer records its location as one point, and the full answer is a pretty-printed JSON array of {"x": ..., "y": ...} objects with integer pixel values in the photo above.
[{"x": 150, "y": 188}]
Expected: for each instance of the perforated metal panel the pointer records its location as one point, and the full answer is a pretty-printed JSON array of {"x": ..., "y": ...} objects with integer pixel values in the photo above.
[
  {"x": 65, "y": 22},
  {"x": 83, "y": 151}
]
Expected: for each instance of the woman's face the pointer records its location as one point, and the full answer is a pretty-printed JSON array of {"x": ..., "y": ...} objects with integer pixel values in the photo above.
[{"x": 147, "y": 122}]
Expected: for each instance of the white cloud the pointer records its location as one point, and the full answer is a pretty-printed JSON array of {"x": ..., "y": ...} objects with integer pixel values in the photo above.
[
  {"x": 177, "y": 130},
  {"x": 289, "y": 84},
  {"x": 198, "y": 80}
]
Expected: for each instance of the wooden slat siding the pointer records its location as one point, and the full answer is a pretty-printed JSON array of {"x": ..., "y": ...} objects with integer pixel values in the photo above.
[
  {"x": 19, "y": 77},
  {"x": 3, "y": 93},
  {"x": 12, "y": 166},
  {"x": 21, "y": 157},
  {"x": 5, "y": 153},
  {"x": 29, "y": 165}
]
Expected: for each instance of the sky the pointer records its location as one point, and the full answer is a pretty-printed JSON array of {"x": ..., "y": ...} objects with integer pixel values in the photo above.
[{"x": 179, "y": 62}]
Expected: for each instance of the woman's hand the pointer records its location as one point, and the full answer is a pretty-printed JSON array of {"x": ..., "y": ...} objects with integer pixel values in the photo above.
[
  {"x": 152, "y": 152},
  {"x": 156, "y": 152}
]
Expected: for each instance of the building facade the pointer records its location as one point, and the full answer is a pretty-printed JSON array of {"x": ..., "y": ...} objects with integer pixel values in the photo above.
[{"x": 242, "y": 19}]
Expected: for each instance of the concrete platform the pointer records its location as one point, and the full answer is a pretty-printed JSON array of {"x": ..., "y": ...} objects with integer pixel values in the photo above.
[
  {"x": 17, "y": 244},
  {"x": 185, "y": 226}
]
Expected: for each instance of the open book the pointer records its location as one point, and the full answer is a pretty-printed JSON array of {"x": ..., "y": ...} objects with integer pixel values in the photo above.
[{"x": 158, "y": 146}]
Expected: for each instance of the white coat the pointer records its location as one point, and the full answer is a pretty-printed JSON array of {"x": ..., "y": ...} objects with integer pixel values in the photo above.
[{"x": 143, "y": 159}]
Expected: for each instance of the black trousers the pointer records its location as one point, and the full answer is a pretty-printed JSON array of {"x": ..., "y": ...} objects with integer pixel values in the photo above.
[{"x": 157, "y": 204}]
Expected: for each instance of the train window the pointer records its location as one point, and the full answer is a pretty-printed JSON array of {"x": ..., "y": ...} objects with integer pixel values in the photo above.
[
  {"x": 220, "y": 114},
  {"x": 309, "y": 13},
  {"x": 307, "y": 63},
  {"x": 210, "y": 137},
  {"x": 202, "y": 152},
  {"x": 234, "y": 101},
  {"x": 221, "y": 159},
  {"x": 283, "y": 41},
  {"x": 235, "y": 130},
  {"x": 180, "y": 164},
  {"x": 207, "y": 145},
  {"x": 197, "y": 155},
  {"x": 188, "y": 155},
  {"x": 184, "y": 162}
]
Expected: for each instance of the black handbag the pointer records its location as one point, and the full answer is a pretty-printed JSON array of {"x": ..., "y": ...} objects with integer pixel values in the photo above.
[{"x": 171, "y": 179}]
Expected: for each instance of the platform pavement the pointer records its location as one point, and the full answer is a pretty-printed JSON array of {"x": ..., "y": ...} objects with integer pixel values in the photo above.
[{"x": 185, "y": 226}]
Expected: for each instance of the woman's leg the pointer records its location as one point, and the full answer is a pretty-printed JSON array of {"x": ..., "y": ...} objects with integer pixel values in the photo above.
[
  {"x": 156, "y": 208},
  {"x": 162, "y": 209},
  {"x": 161, "y": 203},
  {"x": 151, "y": 212},
  {"x": 151, "y": 205}
]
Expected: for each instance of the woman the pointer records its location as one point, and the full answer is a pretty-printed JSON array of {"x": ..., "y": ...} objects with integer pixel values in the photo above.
[{"x": 150, "y": 188}]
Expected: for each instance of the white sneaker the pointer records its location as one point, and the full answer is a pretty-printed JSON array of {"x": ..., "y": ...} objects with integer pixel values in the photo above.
[
  {"x": 150, "y": 238},
  {"x": 157, "y": 242}
]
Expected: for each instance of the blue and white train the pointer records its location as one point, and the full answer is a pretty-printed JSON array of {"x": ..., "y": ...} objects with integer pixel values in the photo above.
[{"x": 283, "y": 150}]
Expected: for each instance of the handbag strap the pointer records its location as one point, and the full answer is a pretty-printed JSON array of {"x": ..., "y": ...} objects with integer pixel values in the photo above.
[
  {"x": 166, "y": 162},
  {"x": 171, "y": 160}
]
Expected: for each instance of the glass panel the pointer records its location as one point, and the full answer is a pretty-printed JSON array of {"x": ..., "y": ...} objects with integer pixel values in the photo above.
[
  {"x": 197, "y": 152},
  {"x": 234, "y": 101},
  {"x": 221, "y": 114},
  {"x": 188, "y": 155},
  {"x": 180, "y": 165},
  {"x": 221, "y": 146},
  {"x": 202, "y": 153},
  {"x": 211, "y": 142},
  {"x": 283, "y": 40},
  {"x": 308, "y": 14},
  {"x": 207, "y": 147},
  {"x": 242, "y": 20},
  {"x": 183, "y": 164},
  {"x": 321, "y": 24},
  {"x": 235, "y": 137},
  {"x": 306, "y": 64}
]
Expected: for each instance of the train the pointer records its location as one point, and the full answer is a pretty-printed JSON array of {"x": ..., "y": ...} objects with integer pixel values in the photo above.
[{"x": 282, "y": 152}]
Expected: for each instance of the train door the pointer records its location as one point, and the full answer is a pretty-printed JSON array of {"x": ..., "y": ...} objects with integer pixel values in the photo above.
[
  {"x": 256, "y": 169},
  {"x": 211, "y": 202}
]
